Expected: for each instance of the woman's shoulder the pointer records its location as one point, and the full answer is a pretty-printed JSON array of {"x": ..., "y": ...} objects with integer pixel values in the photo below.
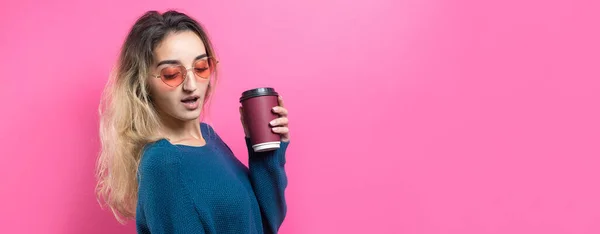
[
  {"x": 206, "y": 127},
  {"x": 208, "y": 132},
  {"x": 157, "y": 154},
  {"x": 156, "y": 146}
]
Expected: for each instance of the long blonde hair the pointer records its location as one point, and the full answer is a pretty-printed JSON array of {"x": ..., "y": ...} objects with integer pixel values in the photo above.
[{"x": 128, "y": 119}]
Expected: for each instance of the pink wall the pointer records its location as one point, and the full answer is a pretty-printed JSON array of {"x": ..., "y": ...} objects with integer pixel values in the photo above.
[{"x": 416, "y": 116}]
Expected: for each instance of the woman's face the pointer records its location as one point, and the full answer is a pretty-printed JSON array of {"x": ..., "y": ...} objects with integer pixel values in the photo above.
[{"x": 184, "y": 101}]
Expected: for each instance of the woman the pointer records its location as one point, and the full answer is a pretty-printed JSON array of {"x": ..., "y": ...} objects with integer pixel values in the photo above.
[{"x": 159, "y": 163}]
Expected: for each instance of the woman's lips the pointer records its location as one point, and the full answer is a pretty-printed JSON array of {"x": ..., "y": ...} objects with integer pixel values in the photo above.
[{"x": 191, "y": 103}]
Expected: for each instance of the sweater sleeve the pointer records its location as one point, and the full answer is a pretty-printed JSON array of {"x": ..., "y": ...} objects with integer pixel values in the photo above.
[
  {"x": 164, "y": 204},
  {"x": 269, "y": 180}
]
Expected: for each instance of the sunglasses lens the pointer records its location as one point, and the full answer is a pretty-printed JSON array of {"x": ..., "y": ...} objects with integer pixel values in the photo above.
[
  {"x": 172, "y": 76},
  {"x": 202, "y": 69}
]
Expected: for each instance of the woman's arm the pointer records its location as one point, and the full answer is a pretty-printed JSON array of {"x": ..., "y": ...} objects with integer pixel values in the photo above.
[
  {"x": 269, "y": 180},
  {"x": 267, "y": 172},
  {"x": 164, "y": 204}
]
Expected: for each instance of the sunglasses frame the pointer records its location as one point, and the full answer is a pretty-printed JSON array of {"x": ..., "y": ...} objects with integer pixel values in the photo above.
[{"x": 211, "y": 63}]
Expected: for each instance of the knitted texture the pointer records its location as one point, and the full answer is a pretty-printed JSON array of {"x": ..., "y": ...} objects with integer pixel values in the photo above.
[{"x": 189, "y": 189}]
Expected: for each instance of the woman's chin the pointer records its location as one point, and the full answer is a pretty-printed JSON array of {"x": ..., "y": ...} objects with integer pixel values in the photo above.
[{"x": 189, "y": 116}]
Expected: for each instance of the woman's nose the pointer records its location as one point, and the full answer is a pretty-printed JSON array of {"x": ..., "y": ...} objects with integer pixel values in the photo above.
[{"x": 189, "y": 84}]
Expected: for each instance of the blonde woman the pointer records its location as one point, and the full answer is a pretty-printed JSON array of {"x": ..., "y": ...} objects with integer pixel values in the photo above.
[{"x": 159, "y": 163}]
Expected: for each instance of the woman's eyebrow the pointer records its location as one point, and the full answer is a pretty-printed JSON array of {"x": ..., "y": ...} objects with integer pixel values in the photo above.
[
  {"x": 201, "y": 56},
  {"x": 177, "y": 61},
  {"x": 168, "y": 62}
]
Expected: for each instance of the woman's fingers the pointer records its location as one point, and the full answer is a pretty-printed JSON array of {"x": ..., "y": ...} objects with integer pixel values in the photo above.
[
  {"x": 283, "y": 121},
  {"x": 281, "y": 130},
  {"x": 280, "y": 100},
  {"x": 280, "y": 110}
]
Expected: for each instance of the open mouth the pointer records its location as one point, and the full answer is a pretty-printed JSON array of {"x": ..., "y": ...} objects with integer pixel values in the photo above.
[{"x": 190, "y": 100}]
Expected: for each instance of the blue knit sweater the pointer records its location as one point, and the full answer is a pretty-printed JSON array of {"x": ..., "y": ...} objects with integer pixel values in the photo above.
[{"x": 189, "y": 189}]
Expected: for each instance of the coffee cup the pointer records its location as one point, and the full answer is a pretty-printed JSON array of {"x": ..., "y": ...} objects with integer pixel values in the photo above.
[{"x": 258, "y": 112}]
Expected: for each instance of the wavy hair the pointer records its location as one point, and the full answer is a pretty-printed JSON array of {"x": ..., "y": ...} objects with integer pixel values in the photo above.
[{"x": 128, "y": 119}]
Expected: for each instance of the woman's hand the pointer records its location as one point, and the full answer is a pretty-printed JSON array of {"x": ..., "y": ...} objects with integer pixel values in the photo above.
[{"x": 278, "y": 125}]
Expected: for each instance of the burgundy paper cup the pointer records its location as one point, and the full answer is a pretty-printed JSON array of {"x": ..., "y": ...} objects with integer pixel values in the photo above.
[{"x": 258, "y": 112}]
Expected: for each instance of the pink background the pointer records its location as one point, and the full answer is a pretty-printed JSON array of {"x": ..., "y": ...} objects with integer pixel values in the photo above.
[{"x": 412, "y": 116}]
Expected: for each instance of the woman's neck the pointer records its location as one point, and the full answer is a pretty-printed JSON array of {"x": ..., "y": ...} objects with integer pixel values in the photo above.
[{"x": 176, "y": 130}]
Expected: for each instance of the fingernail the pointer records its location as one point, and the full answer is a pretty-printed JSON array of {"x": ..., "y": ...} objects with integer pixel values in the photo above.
[
  {"x": 272, "y": 123},
  {"x": 274, "y": 108}
]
